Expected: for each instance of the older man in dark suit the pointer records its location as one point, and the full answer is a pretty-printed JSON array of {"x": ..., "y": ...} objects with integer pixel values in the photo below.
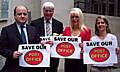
[
  {"x": 14, "y": 35},
  {"x": 46, "y": 26}
]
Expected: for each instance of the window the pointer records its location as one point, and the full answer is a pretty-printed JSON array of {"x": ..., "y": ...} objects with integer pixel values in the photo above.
[
  {"x": 104, "y": 7},
  {"x": 80, "y": 4},
  {"x": 118, "y": 7},
  {"x": 4, "y": 8}
]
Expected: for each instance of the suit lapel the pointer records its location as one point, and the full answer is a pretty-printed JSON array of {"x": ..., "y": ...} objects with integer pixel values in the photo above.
[
  {"x": 43, "y": 26},
  {"x": 53, "y": 25},
  {"x": 28, "y": 33},
  {"x": 16, "y": 31}
]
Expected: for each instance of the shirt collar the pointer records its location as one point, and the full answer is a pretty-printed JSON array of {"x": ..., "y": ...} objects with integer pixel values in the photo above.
[
  {"x": 18, "y": 25},
  {"x": 49, "y": 20}
]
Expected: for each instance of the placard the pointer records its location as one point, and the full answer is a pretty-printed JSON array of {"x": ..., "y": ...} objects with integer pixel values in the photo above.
[
  {"x": 34, "y": 55},
  {"x": 66, "y": 47},
  {"x": 99, "y": 52}
]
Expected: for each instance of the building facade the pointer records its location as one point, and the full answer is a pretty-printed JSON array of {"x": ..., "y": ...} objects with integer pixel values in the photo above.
[{"x": 104, "y": 7}]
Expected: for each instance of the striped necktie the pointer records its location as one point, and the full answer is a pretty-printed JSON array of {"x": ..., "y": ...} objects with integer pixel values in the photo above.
[
  {"x": 23, "y": 37},
  {"x": 48, "y": 30}
]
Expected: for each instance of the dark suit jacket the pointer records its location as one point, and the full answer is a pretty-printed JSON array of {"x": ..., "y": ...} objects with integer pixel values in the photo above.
[
  {"x": 57, "y": 26},
  {"x": 9, "y": 42}
]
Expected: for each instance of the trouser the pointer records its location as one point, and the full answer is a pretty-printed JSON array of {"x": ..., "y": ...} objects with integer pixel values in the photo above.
[
  {"x": 75, "y": 65},
  {"x": 31, "y": 69},
  {"x": 54, "y": 63}
]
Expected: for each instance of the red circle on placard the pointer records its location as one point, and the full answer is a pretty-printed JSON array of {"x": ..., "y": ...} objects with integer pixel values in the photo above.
[
  {"x": 65, "y": 49},
  {"x": 99, "y": 54},
  {"x": 33, "y": 57}
]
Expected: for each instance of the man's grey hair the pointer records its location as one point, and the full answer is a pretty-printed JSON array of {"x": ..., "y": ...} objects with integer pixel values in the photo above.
[{"x": 48, "y": 4}]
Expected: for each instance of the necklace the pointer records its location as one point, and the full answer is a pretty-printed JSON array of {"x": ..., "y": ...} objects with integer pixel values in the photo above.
[{"x": 76, "y": 33}]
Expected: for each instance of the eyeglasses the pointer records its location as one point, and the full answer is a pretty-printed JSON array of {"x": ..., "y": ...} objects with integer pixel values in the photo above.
[{"x": 100, "y": 22}]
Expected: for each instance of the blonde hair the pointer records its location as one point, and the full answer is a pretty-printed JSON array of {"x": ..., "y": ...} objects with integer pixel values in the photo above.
[{"x": 81, "y": 18}]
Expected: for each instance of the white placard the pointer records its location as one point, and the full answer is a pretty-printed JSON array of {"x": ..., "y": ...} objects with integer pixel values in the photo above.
[
  {"x": 34, "y": 55},
  {"x": 66, "y": 47},
  {"x": 99, "y": 52}
]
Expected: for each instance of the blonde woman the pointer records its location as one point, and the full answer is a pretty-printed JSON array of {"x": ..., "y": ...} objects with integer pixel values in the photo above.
[{"x": 76, "y": 27}]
